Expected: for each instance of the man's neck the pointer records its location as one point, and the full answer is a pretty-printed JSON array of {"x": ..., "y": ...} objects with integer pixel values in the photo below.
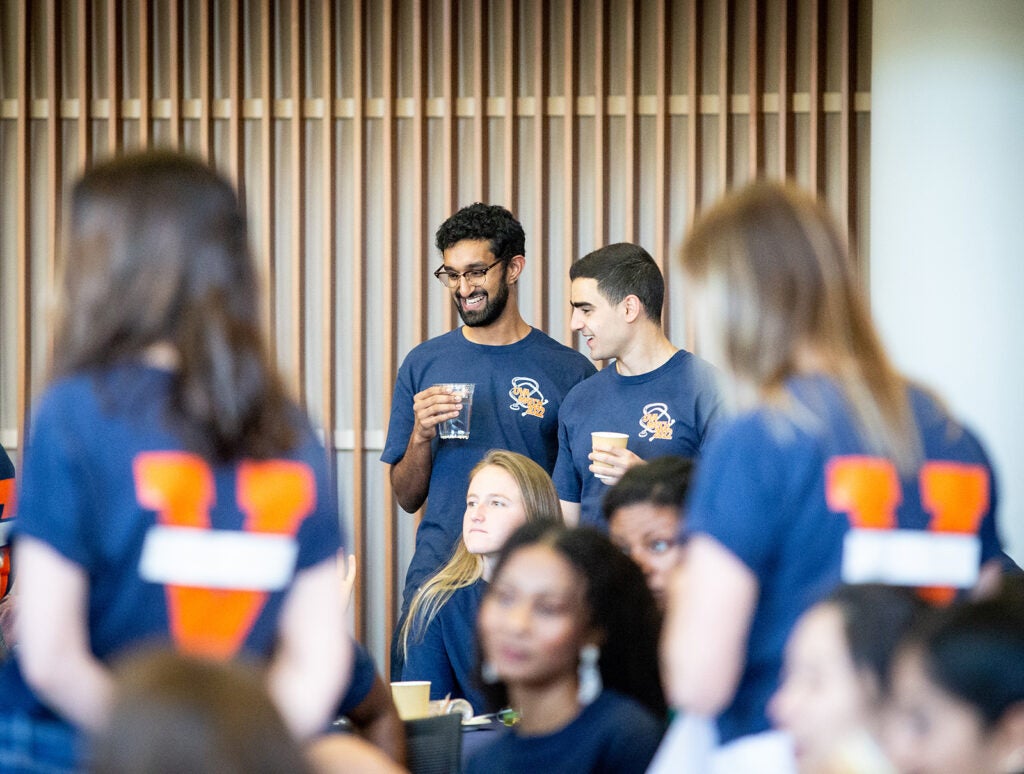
[
  {"x": 508, "y": 329},
  {"x": 649, "y": 350}
]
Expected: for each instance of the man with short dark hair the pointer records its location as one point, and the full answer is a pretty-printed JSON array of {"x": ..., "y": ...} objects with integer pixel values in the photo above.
[
  {"x": 664, "y": 398},
  {"x": 521, "y": 376}
]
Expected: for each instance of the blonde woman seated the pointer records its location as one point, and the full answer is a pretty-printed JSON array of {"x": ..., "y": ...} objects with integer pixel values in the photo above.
[{"x": 506, "y": 490}]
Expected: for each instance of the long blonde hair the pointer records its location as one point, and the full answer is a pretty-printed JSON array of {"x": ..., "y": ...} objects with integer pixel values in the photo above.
[
  {"x": 540, "y": 503},
  {"x": 780, "y": 282}
]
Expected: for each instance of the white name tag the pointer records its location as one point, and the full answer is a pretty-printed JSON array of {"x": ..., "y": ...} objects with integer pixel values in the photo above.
[
  {"x": 910, "y": 557},
  {"x": 217, "y": 559}
]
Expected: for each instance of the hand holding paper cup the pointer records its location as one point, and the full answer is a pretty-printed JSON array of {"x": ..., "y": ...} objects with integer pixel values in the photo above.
[
  {"x": 607, "y": 440},
  {"x": 412, "y": 698}
]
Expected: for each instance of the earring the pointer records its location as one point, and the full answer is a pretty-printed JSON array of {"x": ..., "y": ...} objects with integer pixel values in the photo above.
[
  {"x": 590, "y": 685},
  {"x": 488, "y": 673}
]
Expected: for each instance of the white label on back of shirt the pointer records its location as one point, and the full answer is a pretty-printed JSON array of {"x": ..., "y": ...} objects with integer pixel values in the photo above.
[
  {"x": 217, "y": 559},
  {"x": 910, "y": 557}
]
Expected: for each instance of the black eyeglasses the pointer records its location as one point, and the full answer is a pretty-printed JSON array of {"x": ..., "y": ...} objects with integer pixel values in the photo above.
[{"x": 475, "y": 277}]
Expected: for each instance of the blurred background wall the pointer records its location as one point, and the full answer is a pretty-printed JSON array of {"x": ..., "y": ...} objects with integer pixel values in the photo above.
[{"x": 354, "y": 128}]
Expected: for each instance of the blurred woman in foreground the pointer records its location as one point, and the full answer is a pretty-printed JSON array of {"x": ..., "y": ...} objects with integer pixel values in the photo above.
[
  {"x": 172, "y": 492},
  {"x": 835, "y": 468}
]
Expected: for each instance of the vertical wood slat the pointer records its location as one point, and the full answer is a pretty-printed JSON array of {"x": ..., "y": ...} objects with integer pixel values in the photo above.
[
  {"x": 420, "y": 249},
  {"x": 448, "y": 182},
  {"x": 569, "y": 151},
  {"x": 630, "y": 210},
  {"x": 236, "y": 163},
  {"x": 754, "y": 138},
  {"x": 847, "y": 166},
  {"x": 480, "y": 176},
  {"x": 142, "y": 31},
  {"x": 268, "y": 214},
  {"x": 510, "y": 146},
  {"x": 693, "y": 140},
  {"x": 21, "y": 221},
  {"x": 600, "y": 128},
  {"x": 296, "y": 232},
  {"x": 724, "y": 95},
  {"x": 389, "y": 256},
  {"x": 328, "y": 314},
  {"x": 174, "y": 71},
  {"x": 540, "y": 204},
  {"x": 359, "y": 345},
  {"x": 816, "y": 118},
  {"x": 113, "y": 76},
  {"x": 203, "y": 65},
  {"x": 785, "y": 124},
  {"x": 53, "y": 150},
  {"x": 83, "y": 62},
  {"x": 661, "y": 152}
]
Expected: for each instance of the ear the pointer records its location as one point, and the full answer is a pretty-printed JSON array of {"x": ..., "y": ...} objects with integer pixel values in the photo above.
[
  {"x": 632, "y": 308},
  {"x": 516, "y": 264}
]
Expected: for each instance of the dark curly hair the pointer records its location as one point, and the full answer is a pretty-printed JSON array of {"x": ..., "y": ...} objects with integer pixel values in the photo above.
[
  {"x": 484, "y": 221},
  {"x": 619, "y": 604}
]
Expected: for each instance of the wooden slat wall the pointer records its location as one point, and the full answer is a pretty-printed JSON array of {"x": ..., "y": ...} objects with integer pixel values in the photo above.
[{"x": 349, "y": 156}]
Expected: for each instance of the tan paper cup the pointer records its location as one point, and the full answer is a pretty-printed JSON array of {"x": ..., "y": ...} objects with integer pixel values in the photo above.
[
  {"x": 412, "y": 698},
  {"x": 606, "y": 440}
]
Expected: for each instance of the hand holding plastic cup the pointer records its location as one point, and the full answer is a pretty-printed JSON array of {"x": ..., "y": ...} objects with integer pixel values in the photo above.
[
  {"x": 458, "y": 427},
  {"x": 607, "y": 440}
]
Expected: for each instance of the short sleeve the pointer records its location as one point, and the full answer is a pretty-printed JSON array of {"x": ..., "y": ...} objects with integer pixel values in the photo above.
[
  {"x": 565, "y": 477},
  {"x": 51, "y": 501},
  {"x": 364, "y": 673},
  {"x": 402, "y": 417},
  {"x": 736, "y": 497}
]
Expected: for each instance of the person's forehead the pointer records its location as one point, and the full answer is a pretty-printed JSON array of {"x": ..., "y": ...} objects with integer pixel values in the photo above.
[
  {"x": 584, "y": 290},
  {"x": 640, "y": 519},
  {"x": 469, "y": 253}
]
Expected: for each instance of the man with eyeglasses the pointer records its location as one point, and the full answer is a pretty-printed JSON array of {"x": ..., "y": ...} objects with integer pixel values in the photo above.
[{"x": 521, "y": 376}]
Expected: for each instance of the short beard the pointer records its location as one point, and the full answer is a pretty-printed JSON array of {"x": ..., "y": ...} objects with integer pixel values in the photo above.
[{"x": 492, "y": 309}]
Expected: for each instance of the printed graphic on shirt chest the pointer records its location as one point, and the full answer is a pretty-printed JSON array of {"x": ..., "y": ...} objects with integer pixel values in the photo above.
[
  {"x": 656, "y": 424},
  {"x": 527, "y": 397}
]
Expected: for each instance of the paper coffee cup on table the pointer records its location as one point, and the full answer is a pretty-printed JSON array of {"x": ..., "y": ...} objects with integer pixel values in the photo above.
[
  {"x": 412, "y": 698},
  {"x": 607, "y": 440}
]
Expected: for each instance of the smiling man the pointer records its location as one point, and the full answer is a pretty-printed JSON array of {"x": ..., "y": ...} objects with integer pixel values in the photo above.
[
  {"x": 664, "y": 398},
  {"x": 521, "y": 376}
]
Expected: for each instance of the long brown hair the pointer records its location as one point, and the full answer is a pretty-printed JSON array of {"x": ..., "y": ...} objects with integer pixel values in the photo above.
[
  {"x": 158, "y": 254},
  {"x": 780, "y": 283},
  {"x": 540, "y": 503}
]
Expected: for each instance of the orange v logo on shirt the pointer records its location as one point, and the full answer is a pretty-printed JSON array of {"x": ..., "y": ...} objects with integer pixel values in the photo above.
[
  {"x": 867, "y": 490},
  {"x": 275, "y": 496}
]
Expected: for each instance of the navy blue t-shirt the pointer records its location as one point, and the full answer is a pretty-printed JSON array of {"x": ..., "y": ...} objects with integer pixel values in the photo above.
[
  {"x": 670, "y": 410},
  {"x": 447, "y": 653},
  {"x": 519, "y": 389},
  {"x": 794, "y": 495},
  {"x": 613, "y": 734},
  {"x": 176, "y": 550}
]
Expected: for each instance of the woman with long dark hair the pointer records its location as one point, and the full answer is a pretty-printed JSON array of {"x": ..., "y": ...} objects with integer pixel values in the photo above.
[
  {"x": 172, "y": 492},
  {"x": 568, "y": 639}
]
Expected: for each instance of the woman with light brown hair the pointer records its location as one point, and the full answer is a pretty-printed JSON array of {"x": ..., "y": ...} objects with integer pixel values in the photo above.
[
  {"x": 834, "y": 468},
  {"x": 506, "y": 490}
]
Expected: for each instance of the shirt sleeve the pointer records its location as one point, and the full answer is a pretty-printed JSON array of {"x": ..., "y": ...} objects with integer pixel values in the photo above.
[
  {"x": 566, "y": 479},
  {"x": 735, "y": 498},
  {"x": 52, "y": 500},
  {"x": 402, "y": 417},
  {"x": 364, "y": 672}
]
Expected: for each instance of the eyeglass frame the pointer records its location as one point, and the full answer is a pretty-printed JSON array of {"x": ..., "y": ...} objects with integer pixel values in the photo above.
[{"x": 452, "y": 279}]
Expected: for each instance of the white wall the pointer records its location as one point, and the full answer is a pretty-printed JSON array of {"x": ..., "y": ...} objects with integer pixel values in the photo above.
[{"x": 947, "y": 215}]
